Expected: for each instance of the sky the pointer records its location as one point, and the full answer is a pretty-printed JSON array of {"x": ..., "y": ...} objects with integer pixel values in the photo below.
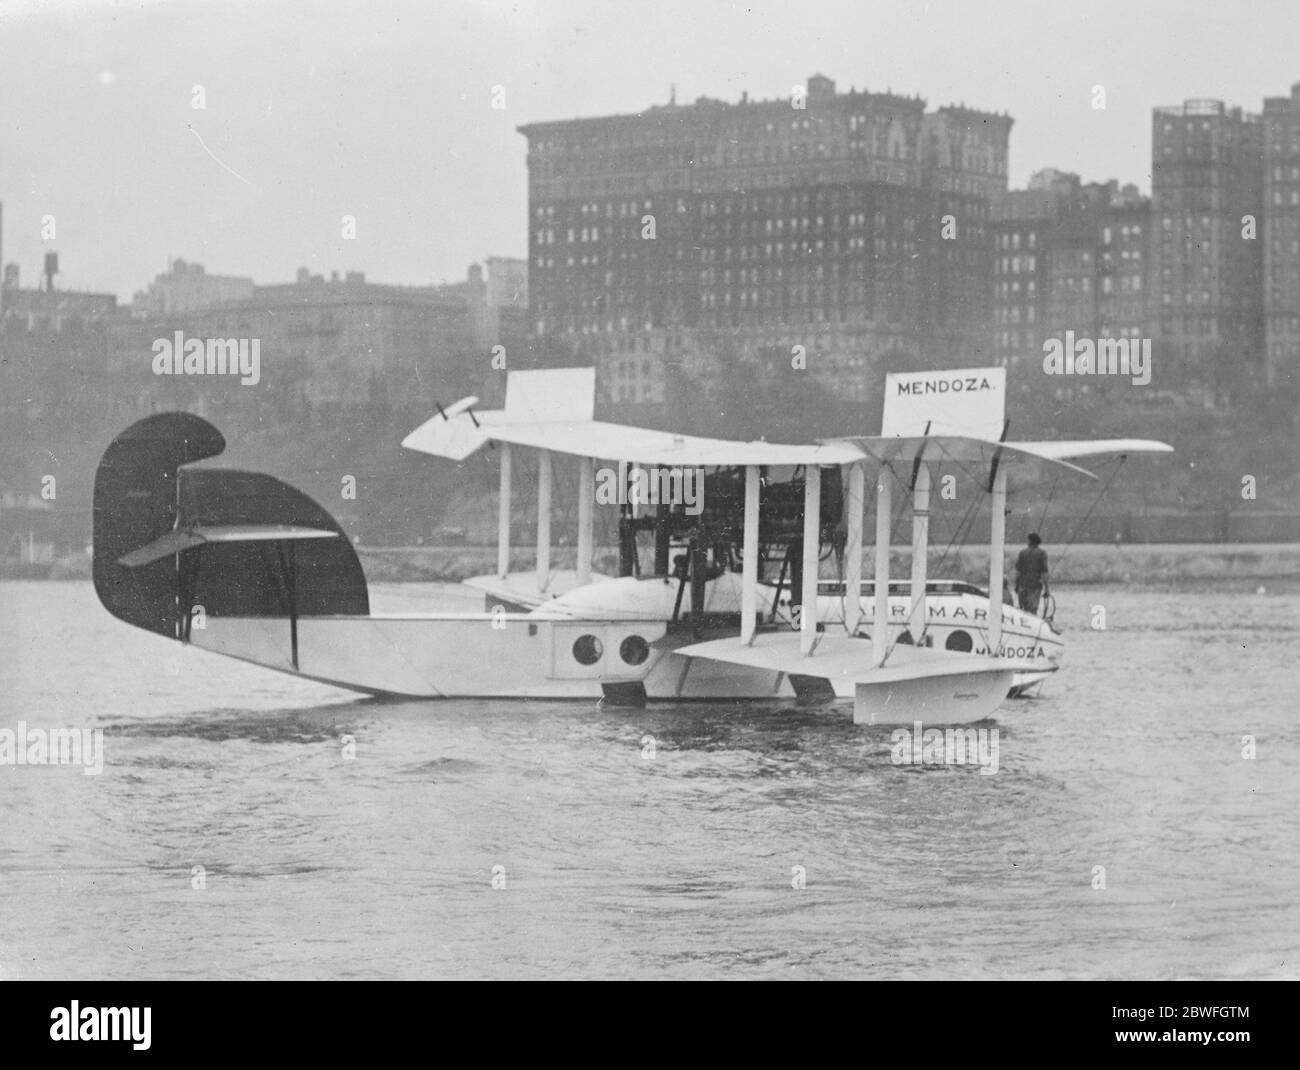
[{"x": 382, "y": 109}]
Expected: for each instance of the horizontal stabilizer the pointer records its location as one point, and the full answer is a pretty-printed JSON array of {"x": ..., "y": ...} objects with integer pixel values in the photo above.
[{"x": 175, "y": 542}]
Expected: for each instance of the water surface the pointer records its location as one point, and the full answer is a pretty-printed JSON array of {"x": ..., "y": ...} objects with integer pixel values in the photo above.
[{"x": 680, "y": 865}]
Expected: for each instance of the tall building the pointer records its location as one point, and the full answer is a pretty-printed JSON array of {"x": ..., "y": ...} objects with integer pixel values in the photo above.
[
  {"x": 1024, "y": 223},
  {"x": 1069, "y": 256},
  {"x": 497, "y": 293},
  {"x": 333, "y": 344},
  {"x": 1097, "y": 259},
  {"x": 328, "y": 345},
  {"x": 187, "y": 287},
  {"x": 718, "y": 237},
  {"x": 1281, "y": 236},
  {"x": 48, "y": 330},
  {"x": 1206, "y": 271},
  {"x": 506, "y": 279},
  {"x": 53, "y": 364},
  {"x": 1123, "y": 265}
]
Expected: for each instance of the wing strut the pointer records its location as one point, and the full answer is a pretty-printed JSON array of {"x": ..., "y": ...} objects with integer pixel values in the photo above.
[
  {"x": 880, "y": 618},
  {"x": 812, "y": 526},
  {"x": 997, "y": 553},
  {"x": 289, "y": 573},
  {"x": 997, "y": 455},
  {"x": 503, "y": 515},
  {"x": 543, "y": 519},
  {"x": 749, "y": 552},
  {"x": 586, "y": 501},
  {"x": 920, "y": 546},
  {"x": 853, "y": 549}
]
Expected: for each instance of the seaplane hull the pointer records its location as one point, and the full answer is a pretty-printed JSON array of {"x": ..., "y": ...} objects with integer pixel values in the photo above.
[
  {"x": 444, "y": 657},
  {"x": 956, "y": 612},
  {"x": 486, "y": 656}
]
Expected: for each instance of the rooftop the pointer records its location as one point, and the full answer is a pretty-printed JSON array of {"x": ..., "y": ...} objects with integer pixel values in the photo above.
[{"x": 819, "y": 93}]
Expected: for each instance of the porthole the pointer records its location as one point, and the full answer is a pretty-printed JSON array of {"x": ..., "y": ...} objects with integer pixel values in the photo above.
[
  {"x": 960, "y": 641},
  {"x": 587, "y": 650},
  {"x": 634, "y": 650}
]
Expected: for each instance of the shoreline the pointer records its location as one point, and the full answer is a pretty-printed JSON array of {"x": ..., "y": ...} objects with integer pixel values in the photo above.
[{"x": 1080, "y": 564}]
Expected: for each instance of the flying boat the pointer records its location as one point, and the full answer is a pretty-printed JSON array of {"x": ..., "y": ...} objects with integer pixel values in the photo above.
[{"x": 244, "y": 565}]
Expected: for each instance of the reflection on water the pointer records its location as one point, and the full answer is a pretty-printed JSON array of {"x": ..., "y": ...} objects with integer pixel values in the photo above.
[{"x": 345, "y": 837}]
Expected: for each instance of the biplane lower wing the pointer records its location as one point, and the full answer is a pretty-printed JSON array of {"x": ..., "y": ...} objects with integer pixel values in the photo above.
[{"x": 940, "y": 686}]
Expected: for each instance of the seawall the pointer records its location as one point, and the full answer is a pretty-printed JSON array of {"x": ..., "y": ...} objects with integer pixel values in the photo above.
[{"x": 1082, "y": 563}]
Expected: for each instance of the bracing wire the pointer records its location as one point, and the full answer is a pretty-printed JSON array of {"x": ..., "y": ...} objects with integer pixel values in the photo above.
[
  {"x": 1069, "y": 542},
  {"x": 1047, "y": 504}
]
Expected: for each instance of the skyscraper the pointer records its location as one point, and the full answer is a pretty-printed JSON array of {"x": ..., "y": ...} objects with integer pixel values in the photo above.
[
  {"x": 713, "y": 236},
  {"x": 1281, "y": 235},
  {"x": 1207, "y": 263},
  {"x": 1069, "y": 256}
]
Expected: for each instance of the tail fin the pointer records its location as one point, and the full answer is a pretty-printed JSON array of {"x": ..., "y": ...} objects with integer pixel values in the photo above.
[{"x": 144, "y": 494}]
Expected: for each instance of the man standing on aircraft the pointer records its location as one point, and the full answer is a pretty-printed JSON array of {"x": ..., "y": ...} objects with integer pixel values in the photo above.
[{"x": 1031, "y": 574}]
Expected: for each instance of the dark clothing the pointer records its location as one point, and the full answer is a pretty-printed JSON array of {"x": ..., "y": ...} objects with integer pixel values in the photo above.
[
  {"x": 1031, "y": 577},
  {"x": 1031, "y": 567}
]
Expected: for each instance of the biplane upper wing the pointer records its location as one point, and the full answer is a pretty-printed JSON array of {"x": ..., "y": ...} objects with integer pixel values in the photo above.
[
  {"x": 1099, "y": 447},
  {"x": 964, "y": 448},
  {"x": 593, "y": 438},
  {"x": 554, "y": 409},
  {"x": 906, "y": 449},
  {"x": 960, "y": 415}
]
